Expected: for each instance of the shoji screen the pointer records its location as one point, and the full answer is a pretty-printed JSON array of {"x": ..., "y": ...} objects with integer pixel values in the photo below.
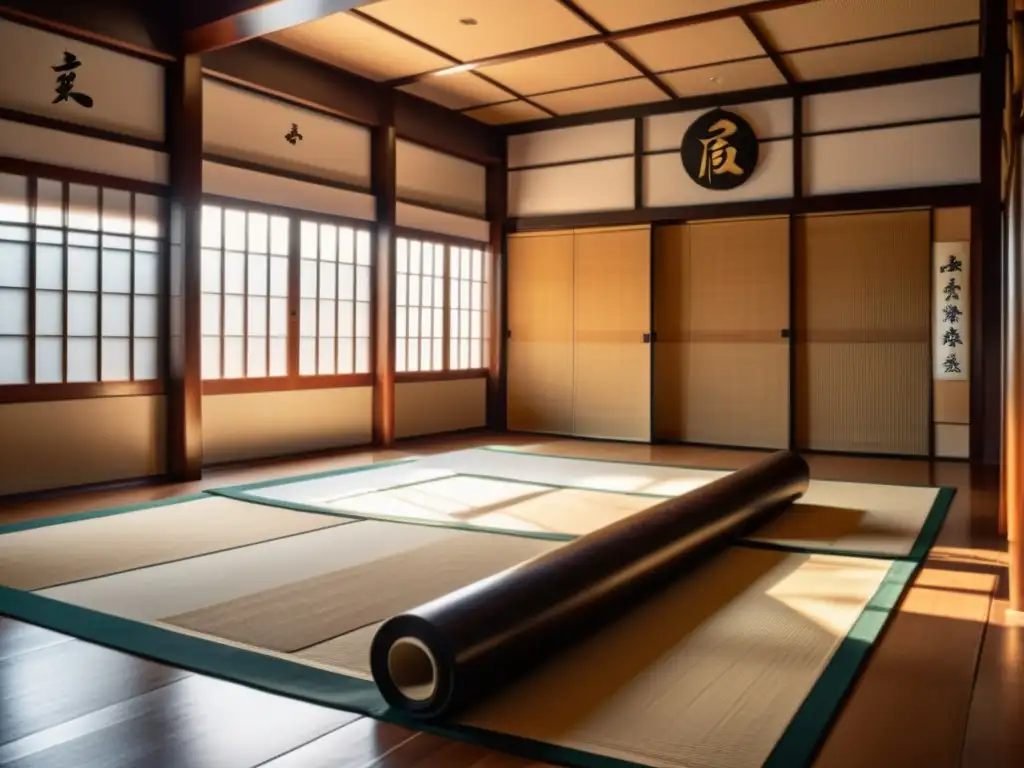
[{"x": 863, "y": 344}]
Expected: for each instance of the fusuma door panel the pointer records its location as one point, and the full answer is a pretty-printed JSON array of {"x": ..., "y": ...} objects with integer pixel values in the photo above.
[
  {"x": 612, "y": 366},
  {"x": 540, "y": 320},
  {"x": 721, "y": 358},
  {"x": 863, "y": 314}
]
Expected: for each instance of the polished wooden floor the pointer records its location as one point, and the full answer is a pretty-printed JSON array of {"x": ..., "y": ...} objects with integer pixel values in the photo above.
[{"x": 945, "y": 687}]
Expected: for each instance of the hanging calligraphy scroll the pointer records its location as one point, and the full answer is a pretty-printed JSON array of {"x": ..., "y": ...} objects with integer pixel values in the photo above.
[{"x": 951, "y": 311}]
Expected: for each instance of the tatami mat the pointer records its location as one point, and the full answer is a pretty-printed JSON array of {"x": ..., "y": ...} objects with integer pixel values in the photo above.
[
  {"x": 304, "y": 569},
  {"x": 307, "y": 612},
  {"x": 504, "y": 490},
  {"x": 708, "y": 674},
  {"x": 46, "y": 555}
]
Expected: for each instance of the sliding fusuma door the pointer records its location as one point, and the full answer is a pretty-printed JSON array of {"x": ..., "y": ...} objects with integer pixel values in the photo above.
[
  {"x": 863, "y": 315},
  {"x": 540, "y": 324},
  {"x": 612, "y": 317},
  {"x": 721, "y": 314}
]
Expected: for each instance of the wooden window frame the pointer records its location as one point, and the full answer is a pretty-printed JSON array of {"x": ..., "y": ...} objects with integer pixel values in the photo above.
[
  {"x": 447, "y": 373},
  {"x": 292, "y": 381},
  {"x": 54, "y": 391}
]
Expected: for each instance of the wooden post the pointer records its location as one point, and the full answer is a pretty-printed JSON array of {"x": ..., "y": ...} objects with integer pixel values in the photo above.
[
  {"x": 184, "y": 337},
  {"x": 385, "y": 189},
  {"x": 497, "y": 180}
]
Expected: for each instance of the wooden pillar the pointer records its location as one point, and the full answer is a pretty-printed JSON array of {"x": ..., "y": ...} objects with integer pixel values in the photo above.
[
  {"x": 1012, "y": 501},
  {"x": 383, "y": 179},
  {"x": 986, "y": 233},
  {"x": 497, "y": 193},
  {"x": 184, "y": 338}
]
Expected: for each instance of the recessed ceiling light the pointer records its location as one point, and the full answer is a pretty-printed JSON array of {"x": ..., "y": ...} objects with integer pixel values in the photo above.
[
  {"x": 468, "y": 22},
  {"x": 715, "y": 79}
]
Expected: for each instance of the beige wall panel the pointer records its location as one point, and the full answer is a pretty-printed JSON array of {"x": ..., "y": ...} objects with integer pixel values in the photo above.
[
  {"x": 429, "y": 176},
  {"x": 241, "y": 183},
  {"x": 951, "y": 225},
  {"x": 127, "y": 92},
  {"x": 266, "y": 424},
  {"x": 769, "y": 119},
  {"x": 920, "y": 155},
  {"x": 666, "y": 182},
  {"x": 721, "y": 365},
  {"x": 432, "y": 407},
  {"x": 863, "y": 325},
  {"x": 568, "y": 144},
  {"x": 442, "y": 222},
  {"x": 905, "y": 102},
  {"x": 952, "y": 441},
  {"x": 247, "y": 126},
  {"x": 76, "y": 442},
  {"x": 612, "y": 370},
  {"x": 83, "y": 153},
  {"x": 605, "y": 185},
  {"x": 540, "y": 318},
  {"x": 952, "y": 402}
]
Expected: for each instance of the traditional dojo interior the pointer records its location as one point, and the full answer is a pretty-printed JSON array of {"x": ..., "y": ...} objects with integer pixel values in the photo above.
[{"x": 511, "y": 384}]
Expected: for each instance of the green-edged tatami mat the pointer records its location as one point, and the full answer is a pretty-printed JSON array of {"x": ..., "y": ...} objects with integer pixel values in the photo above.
[
  {"x": 557, "y": 497},
  {"x": 279, "y": 674},
  {"x": 235, "y": 658}
]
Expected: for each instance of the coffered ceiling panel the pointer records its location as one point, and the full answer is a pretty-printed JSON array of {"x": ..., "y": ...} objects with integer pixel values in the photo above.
[
  {"x": 879, "y": 55},
  {"x": 457, "y": 91},
  {"x": 622, "y": 94},
  {"x": 498, "y": 26},
  {"x": 694, "y": 45},
  {"x": 623, "y": 14},
  {"x": 346, "y": 41},
  {"x": 580, "y": 66},
  {"x": 722, "y": 78},
  {"x": 835, "y": 21},
  {"x": 510, "y": 112}
]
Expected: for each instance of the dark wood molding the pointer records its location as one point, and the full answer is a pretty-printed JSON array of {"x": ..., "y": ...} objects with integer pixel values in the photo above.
[
  {"x": 757, "y": 30},
  {"x": 413, "y": 377},
  {"x": 21, "y": 167},
  {"x": 184, "y": 341},
  {"x": 53, "y": 124},
  {"x": 48, "y": 393},
  {"x": 919, "y": 197},
  {"x": 595, "y": 159},
  {"x": 638, "y": 163},
  {"x": 137, "y": 29},
  {"x": 286, "y": 173},
  {"x": 497, "y": 194},
  {"x": 986, "y": 234},
  {"x": 441, "y": 208},
  {"x": 610, "y": 37},
  {"x": 437, "y": 237},
  {"x": 213, "y": 24},
  {"x": 383, "y": 172},
  {"x": 285, "y": 383},
  {"x": 848, "y": 83}
]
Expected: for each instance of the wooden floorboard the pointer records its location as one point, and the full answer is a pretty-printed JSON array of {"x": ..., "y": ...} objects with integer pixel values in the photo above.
[{"x": 944, "y": 687}]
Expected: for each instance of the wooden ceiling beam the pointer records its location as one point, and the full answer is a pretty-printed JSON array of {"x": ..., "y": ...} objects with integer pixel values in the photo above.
[
  {"x": 454, "y": 61},
  {"x": 633, "y": 61},
  {"x": 212, "y": 24},
  {"x": 610, "y": 37},
  {"x": 759, "y": 33}
]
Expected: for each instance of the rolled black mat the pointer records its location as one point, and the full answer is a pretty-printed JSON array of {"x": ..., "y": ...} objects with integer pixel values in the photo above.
[{"x": 435, "y": 659}]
